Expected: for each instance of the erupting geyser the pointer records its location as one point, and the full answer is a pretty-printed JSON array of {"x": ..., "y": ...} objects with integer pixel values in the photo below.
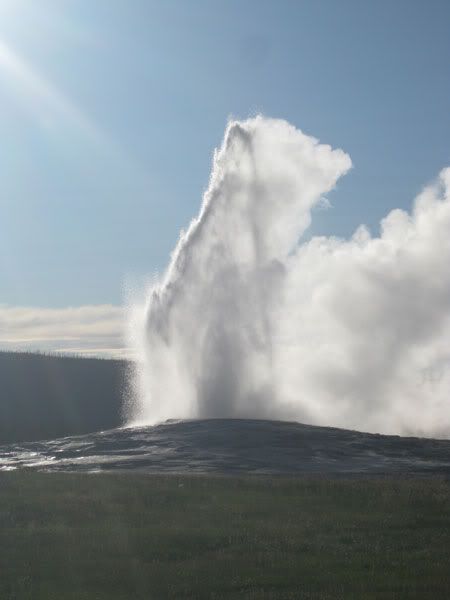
[{"x": 249, "y": 322}]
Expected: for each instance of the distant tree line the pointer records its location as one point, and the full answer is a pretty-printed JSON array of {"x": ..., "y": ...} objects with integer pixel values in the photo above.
[{"x": 46, "y": 396}]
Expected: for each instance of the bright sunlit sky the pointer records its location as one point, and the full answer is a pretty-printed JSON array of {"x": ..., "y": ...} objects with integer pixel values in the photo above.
[{"x": 110, "y": 110}]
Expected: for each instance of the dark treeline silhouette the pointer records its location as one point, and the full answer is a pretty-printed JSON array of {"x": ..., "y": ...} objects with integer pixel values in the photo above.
[{"x": 47, "y": 396}]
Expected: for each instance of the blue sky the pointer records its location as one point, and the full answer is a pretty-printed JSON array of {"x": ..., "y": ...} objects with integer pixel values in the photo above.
[{"x": 110, "y": 110}]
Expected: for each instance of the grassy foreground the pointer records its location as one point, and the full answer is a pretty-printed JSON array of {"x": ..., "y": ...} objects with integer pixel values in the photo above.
[{"x": 108, "y": 537}]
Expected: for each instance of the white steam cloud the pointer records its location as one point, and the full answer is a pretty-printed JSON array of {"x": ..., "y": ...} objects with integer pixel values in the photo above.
[{"x": 249, "y": 322}]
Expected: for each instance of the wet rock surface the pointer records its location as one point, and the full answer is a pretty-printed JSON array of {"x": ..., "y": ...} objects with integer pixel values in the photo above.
[{"x": 234, "y": 446}]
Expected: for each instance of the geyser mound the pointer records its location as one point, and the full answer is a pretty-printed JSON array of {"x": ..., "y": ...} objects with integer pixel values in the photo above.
[
  {"x": 249, "y": 322},
  {"x": 234, "y": 446}
]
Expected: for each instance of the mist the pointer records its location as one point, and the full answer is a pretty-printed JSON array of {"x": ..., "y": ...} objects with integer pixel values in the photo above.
[{"x": 250, "y": 321}]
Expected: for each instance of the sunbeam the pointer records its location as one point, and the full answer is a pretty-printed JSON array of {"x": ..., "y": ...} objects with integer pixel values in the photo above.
[
  {"x": 51, "y": 106},
  {"x": 42, "y": 95}
]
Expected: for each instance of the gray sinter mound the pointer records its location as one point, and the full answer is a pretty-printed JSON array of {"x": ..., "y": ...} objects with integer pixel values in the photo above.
[{"x": 234, "y": 446}]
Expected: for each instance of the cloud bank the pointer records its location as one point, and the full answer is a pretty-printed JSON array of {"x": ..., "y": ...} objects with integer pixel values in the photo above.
[
  {"x": 250, "y": 322},
  {"x": 86, "y": 330}
]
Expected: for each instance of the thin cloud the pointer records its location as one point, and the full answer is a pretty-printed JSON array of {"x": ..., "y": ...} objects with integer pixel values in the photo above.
[{"x": 86, "y": 330}]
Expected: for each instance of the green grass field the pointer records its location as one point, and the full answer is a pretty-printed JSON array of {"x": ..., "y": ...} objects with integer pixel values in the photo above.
[{"x": 108, "y": 537}]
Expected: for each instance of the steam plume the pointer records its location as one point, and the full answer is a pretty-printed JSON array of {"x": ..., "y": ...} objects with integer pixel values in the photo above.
[{"x": 249, "y": 322}]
